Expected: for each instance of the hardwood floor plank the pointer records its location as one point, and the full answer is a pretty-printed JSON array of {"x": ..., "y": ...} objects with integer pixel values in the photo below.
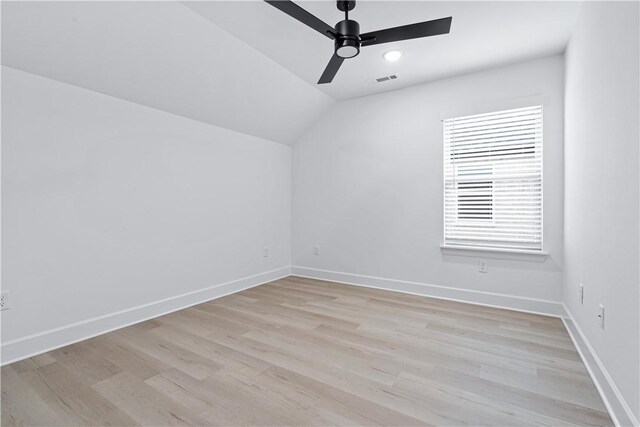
[
  {"x": 374, "y": 414},
  {"x": 33, "y": 362},
  {"x": 21, "y": 405},
  {"x": 125, "y": 357},
  {"x": 230, "y": 360},
  {"x": 144, "y": 403},
  {"x": 461, "y": 405},
  {"x": 72, "y": 399},
  {"x": 169, "y": 353},
  {"x": 534, "y": 402},
  {"x": 87, "y": 366}
]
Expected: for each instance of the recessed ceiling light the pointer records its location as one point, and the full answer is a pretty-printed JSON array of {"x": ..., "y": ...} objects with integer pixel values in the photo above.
[{"x": 392, "y": 55}]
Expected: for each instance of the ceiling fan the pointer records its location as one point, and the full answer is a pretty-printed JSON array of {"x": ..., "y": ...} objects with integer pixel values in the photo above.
[{"x": 346, "y": 33}]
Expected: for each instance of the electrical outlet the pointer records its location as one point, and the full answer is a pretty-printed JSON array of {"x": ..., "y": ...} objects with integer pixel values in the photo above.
[
  {"x": 4, "y": 300},
  {"x": 265, "y": 252},
  {"x": 601, "y": 315},
  {"x": 316, "y": 250},
  {"x": 581, "y": 293},
  {"x": 482, "y": 267}
]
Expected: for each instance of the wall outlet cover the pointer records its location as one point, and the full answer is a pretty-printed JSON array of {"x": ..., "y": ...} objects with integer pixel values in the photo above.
[
  {"x": 483, "y": 267},
  {"x": 601, "y": 315},
  {"x": 4, "y": 300}
]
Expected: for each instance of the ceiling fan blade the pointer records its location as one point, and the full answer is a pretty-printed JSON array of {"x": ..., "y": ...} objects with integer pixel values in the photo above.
[
  {"x": 406, "y": 32},
  {"x": 332, "y": 68},
  {"x": 296, "y": 12}
]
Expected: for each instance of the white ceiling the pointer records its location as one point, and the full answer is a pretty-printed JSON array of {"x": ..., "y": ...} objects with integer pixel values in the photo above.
[
  {"x": 162, "y": 55},
  {"x": 246, "y": 66},
  {"x": 483, "y": 34}
]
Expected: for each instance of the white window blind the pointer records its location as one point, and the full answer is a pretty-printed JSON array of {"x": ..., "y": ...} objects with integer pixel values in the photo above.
[{"x": 493, "y": 180}]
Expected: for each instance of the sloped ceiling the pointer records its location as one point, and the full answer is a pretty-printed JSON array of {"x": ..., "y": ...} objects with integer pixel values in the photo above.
[
  {"x": 162, "y": 55},
  {"x": 484, "y": 34},
  {"x": 246, "y": 66}
]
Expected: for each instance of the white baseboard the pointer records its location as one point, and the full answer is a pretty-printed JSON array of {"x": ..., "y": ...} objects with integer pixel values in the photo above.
[
  {"x": 611, "y": 396},
  {"x": 529, "y": 305},
  {"x": 22, "y": 348}
]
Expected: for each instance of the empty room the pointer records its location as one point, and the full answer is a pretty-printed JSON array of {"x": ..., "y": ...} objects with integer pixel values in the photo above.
[{"x": 320, "y": 213}]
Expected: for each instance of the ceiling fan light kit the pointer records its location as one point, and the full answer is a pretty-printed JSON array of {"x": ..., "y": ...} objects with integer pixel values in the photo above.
[
  {"x": 347, "y": 37},
  {"x": 347, "y": 44}
]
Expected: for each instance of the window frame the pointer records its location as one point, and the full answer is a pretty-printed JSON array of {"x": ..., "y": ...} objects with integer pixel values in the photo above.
[{"x": 537, "y": 255}]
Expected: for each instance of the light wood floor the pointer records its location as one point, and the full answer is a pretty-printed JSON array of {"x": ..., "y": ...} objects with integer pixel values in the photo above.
[{"x": 307, "y": 352}]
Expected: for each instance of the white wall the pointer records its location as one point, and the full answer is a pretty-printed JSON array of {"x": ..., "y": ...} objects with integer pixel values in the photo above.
[
  {"x": 602, "y": 187},
  {"x": 109, "y": 205},
  {"x": 367, "y": 186}
]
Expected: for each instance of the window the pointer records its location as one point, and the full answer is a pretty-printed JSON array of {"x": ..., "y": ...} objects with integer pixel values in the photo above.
[{"x": 493, "y": 180}]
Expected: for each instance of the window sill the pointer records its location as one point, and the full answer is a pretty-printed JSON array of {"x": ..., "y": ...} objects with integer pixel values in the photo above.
[{"x": 509, "y": 254}]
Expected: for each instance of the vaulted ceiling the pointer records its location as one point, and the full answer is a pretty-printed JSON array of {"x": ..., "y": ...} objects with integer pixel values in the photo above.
[
  {"x": 162, "y": 55},
  {"x": 246, "y": 66},
  {"x": 484, "y": 34}
]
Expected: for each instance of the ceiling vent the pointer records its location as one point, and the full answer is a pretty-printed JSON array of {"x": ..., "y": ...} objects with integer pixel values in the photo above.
[{"x": 382, "y": 79}]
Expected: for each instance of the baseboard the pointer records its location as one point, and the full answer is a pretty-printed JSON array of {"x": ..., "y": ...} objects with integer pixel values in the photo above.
[
  {"x": 529, "y": 305},
  {"x": 611, "y": 396},
  {"x": 22, "y": 348}
]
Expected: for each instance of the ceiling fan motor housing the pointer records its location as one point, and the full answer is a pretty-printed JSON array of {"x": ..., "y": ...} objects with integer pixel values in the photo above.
[{"x": 347, "y": 44}]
